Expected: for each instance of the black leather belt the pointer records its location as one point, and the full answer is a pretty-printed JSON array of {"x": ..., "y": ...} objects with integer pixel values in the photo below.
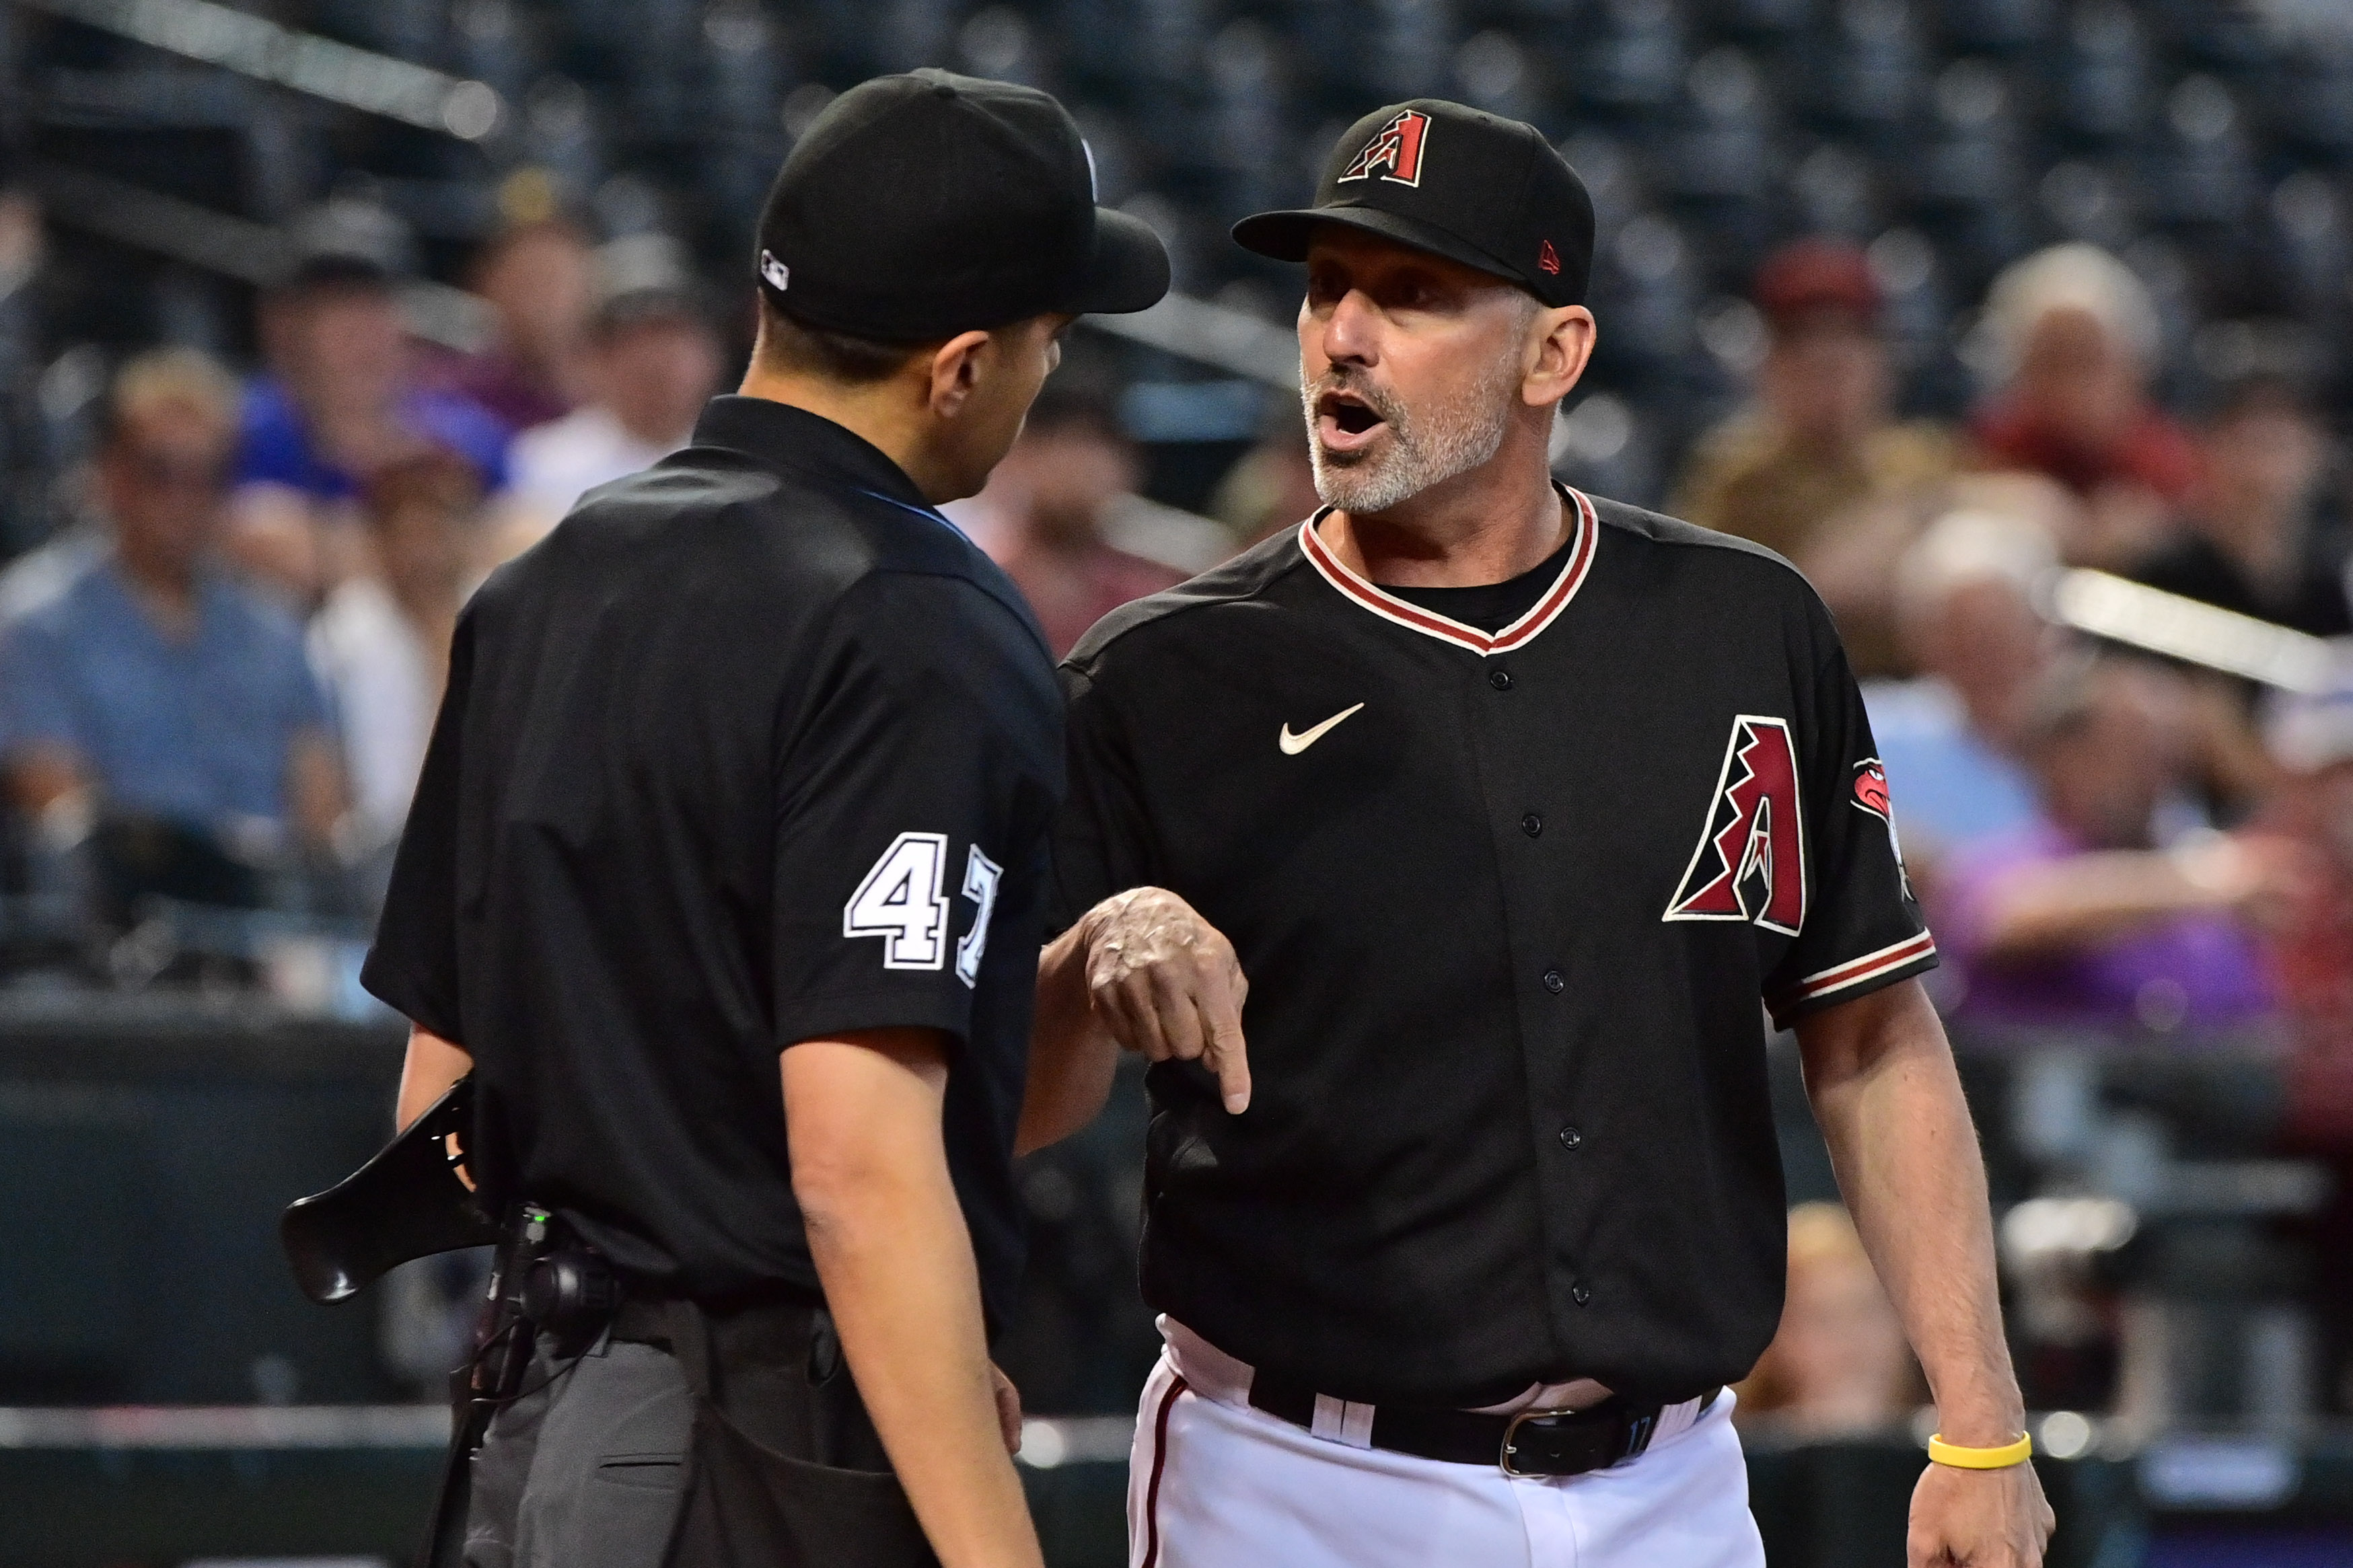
[{"x": 1533, "y": 1443}]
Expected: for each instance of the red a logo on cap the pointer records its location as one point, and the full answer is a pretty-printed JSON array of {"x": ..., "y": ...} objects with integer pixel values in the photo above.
[
  {"x": 1549, "y": 259},
  {"x": 1395, "y": 151}
]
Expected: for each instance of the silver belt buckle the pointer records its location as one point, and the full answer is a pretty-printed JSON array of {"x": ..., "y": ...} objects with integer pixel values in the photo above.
[{"x": 1512, "y": 1432}]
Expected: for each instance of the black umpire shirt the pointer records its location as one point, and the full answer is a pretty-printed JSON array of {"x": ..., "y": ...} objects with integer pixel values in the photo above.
[
  {"x": 1508, "y": 901},
  {"x": 755, "y": 748}
]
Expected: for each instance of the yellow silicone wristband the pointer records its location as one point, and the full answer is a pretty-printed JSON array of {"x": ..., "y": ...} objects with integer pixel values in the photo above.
[{"x": 1999, "y": 1459}]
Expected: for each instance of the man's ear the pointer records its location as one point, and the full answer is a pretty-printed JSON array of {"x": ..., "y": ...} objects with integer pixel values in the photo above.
[
  {"x": 956, "y": 369},
  {"x": 1564, "y": 341}
]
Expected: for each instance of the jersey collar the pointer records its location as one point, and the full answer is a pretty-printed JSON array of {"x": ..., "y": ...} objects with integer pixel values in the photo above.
[
  {"x": 779, "y": 436},
  {"x": 1413, "y": 618}
]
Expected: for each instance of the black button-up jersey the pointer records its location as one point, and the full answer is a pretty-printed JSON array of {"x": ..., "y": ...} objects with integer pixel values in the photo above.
[
  {"x": 1507, "y": 903},
  {"x": 755, "y": 748}
]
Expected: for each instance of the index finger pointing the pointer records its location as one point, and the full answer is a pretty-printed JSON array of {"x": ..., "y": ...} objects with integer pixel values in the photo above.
[{"x": 1226, "y": 1054}]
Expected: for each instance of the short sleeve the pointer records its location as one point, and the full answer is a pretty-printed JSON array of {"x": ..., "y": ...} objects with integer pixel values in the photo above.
[
  {"x": 1102, "y": 837},
  {"x": 36, "y": 706},
  {"x": 272, "y": 448},
  {"x": 914, "y": 786},
  {"x": 1863, "y": 928},
  {"x": 413, "y": 967}
]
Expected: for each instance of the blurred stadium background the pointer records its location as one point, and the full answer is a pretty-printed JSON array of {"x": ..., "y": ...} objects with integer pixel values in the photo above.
[{"x": 468, "y": 257}]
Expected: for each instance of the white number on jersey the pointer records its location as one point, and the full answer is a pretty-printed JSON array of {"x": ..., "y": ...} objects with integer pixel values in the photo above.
[
  {"x": 980, "y": 877},
  {"x": 900, "y": 901}
]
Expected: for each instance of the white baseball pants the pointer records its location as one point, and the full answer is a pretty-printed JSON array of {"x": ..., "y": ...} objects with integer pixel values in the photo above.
[{"x": 1215, "y": 1483}]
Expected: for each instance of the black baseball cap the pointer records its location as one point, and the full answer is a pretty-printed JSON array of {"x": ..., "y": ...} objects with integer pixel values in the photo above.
[
  {"x": 642, "y": 277},
  {"x": 343, "y": 242},
  {"x": 919, "y": 206},
  {"x": 1474, "y": 188}
]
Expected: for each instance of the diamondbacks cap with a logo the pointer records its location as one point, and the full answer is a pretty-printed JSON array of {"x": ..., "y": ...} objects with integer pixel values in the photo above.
[
  {"x": 920, "y": 206},
  {"x": 1474, "y": 187}
]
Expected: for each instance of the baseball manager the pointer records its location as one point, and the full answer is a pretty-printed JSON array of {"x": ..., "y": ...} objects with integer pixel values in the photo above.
[{"x": 1512, "y": 803}]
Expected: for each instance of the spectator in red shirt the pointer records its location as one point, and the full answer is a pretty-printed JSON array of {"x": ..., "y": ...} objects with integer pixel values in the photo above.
[
  {"x": 1047, "y": 507},
  {"x": 2073, "y": 335}
]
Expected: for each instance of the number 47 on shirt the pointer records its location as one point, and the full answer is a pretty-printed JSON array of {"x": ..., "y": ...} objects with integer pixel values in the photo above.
[{"x": 900, "y": 901}]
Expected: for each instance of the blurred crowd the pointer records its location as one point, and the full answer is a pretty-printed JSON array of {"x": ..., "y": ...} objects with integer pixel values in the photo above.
[
  {"x": 227, "y": 665},
  {"x": 217, "y": 678},
  {"x": 225, "y": 629},
  {"x": 2102, "y": 840}
]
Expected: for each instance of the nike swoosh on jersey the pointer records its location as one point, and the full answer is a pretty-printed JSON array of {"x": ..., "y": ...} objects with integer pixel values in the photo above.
[{"x": 1293, "y": 744}]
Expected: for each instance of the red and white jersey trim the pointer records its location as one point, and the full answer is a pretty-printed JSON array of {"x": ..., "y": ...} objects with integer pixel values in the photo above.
[
  {"x": 1412, "y": 617},
  {"x": 1856, "y": 971}
]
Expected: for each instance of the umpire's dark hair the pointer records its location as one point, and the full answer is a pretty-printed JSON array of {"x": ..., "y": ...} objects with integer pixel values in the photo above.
[{"x": 841, "y": 357}]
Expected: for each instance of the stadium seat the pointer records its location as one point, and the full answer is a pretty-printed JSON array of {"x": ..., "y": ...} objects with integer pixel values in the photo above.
[
  {"x": 1632, "y": 59},
  {"x": 2103, "y": 87},
  {"x": 1836, "y": 188},
  {"x": 741, "y": 50},
  {"x": 1995, "y": 25},
  {"x": 2199, "y": 171},
  {"x": 2317, "y": 110},
  {"x": 488, "y": 42},
  {"x": 1867, "y": 68},
  {"x": 1970, "y": 160},
  {"x": 1766, "y": 20}
]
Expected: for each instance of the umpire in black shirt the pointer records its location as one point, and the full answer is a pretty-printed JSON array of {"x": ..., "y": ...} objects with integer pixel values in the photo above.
[{"x": 753, "y": 761}]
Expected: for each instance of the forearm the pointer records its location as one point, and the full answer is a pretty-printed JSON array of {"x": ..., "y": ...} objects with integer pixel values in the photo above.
[
  {"x": 1072, "y": 1057},
  {"x": 427, "y": 1073},
  {"x": 2054, "y": 908},
  {"x": 897, "y": 1266},
  {"x": 314, "y": 789},
  {"x": 1890, "y": 1107}
]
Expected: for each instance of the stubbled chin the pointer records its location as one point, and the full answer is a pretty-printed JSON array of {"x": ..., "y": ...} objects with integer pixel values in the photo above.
[{"x": 1353, "y": 457}]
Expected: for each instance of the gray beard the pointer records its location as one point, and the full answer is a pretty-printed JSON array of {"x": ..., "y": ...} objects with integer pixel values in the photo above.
[{"x": 1425, "y": 448}]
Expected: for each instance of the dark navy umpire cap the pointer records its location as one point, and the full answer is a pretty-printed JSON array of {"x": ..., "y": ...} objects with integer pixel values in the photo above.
[
  {"x": 1474, "y": 188},
  {"x": 920, "y": 206}
]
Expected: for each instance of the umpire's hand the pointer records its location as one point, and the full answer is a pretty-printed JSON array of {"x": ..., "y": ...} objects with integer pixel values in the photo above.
[{"x": 1165, "y": 983}]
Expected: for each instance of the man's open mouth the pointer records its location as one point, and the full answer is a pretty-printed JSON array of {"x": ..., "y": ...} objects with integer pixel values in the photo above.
[{"x": 1344, "y": 422}]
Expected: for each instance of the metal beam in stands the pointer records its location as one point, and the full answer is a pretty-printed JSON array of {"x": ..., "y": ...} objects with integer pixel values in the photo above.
[
  {"x": 1213, "y": 335},
  {"x": 321, "y": 68},
  {"x": 233, "y": 246}
]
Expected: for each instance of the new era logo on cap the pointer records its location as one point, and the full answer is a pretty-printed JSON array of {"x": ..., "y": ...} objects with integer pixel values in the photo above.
[
  {"x": 1395, "y": 150},
  {"x": 1549, "y": 259},
  {"x": 777, "y": 274}
]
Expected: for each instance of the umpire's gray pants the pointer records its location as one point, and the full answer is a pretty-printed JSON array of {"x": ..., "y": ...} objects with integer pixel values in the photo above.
[{"x": 586, "y": 1470}]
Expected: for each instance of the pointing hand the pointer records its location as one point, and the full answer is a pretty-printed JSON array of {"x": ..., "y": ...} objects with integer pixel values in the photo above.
[{"x": 1167, "y": 985}]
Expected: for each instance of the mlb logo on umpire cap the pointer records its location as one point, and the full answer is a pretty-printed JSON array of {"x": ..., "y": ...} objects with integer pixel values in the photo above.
[{"x": 1396, "y": 148}]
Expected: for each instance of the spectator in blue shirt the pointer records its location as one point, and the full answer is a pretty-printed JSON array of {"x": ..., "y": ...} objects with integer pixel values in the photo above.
[
  {"x": 341, "y": 400},
  {"x": 154, "y": 686},
  {"x": 1965, "y": 602}
]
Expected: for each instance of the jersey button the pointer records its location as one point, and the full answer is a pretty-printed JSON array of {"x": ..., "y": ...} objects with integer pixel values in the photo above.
[
  {"x": 1501, "y": 680},
  {"x": 1532, "y": 824},
  {"x": 1554, "y": 981},
  {"x": 1580, "y": 1294},
  {"x": 1570, "y": 1137}
]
